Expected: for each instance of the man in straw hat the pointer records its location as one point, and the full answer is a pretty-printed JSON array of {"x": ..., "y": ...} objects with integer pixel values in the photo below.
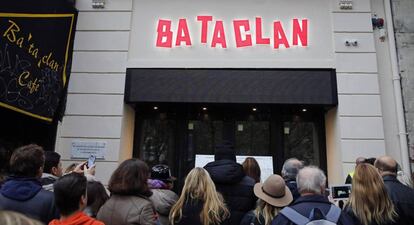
[
  {"x": 273, "y": 195},
  {"x": 311, "y": 185}
]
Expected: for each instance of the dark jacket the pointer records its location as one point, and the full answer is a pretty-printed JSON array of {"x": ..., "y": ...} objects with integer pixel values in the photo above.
[
  {"x": 403, "y": 199},
  {"x": 356, "y": 221},
  {"x": 191, "y": 214},
  {"x": 235, "y": 186},
  {"x": 250, "y": 219},
  {"x": 25, "y": 195},
  {"x": 304, "y": 206},
  {"x": 293, "y": 187}
]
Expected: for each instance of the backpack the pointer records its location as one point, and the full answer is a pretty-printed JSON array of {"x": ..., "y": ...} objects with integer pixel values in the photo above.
[{"x": 316, "y": 216}]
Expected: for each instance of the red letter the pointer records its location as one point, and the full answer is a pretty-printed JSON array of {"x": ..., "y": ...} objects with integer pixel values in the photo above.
[
  {"x": 164, "y": 30},
  {"x": 279, "y": 35},
  {"x": 301, "y": 33},
  {"x": 237, "y": 33},
  {"x": 182, "y": 33},
  {"x": 204, "y": 24},
  {"x": 259, "y": 36},
  {"x": 218, "y": 36}
]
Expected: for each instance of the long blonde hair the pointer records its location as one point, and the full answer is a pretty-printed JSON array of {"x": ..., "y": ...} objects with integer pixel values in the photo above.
[
  {"x": 14, "y": 218},
  {"x": 369, "y": 200},
  {"x": 267, "y": 211},
  {"x": 199, "y": 186}
]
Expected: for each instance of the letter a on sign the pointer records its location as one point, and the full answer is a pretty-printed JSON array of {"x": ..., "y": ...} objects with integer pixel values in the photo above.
[
  {"x": 182, "y": 33},
  {"x": 164, "y": 34},
  {"x": 279, "y": 35},
  {"x": 218, "y": 36}
]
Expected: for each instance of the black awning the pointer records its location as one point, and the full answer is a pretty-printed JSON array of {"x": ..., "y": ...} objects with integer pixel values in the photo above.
[{"x": 258, "y": 86}]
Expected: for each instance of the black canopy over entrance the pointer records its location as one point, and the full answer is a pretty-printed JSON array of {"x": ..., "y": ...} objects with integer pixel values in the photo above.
[{"x": 257, "y": 86}]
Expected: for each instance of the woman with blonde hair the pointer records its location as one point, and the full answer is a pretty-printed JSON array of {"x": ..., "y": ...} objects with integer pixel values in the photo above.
[
  {"x": 369, "y": 203},
  {"x": 199, "y": 202},
  {"x": 273, "y": 195}
]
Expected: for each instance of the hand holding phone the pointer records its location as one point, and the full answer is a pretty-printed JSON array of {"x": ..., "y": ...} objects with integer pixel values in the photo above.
[{"x": 91, "y": 161}]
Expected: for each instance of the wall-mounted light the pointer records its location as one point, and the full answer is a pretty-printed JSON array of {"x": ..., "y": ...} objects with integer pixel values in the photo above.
[
  {"x": 254, "y": 109},
  {"x": 304, "y": 110},
  {"x": 98, "y": 4},
  {"x": 345, "y": 4},
  {"x": 155, "y": 107},
  {"x": 204, "y": 108}
]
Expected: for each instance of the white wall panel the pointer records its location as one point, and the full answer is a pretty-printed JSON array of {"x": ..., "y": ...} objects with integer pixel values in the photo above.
[
  {"x": 359, "y": 105},
  {"x": 116, "y": 5},
  {"x": 91, "y": 126},
  {"x": 365, "y": 42},
  {"x": 352, "y": 22},
  {"x": 101, "y": 41},
  {"x": 65, "y": 146},
  {"x": 108, "y": 62},
  {"x": 104, "y": 21},
  {"x": 357, "y": 6},
  {"x": 356, "y": 62},
  {"x": 362, "y": 127},
  {"x": 93, "y": 104},
  {"x": 357, "y": 83},
  {"x": 352, "y": 149},
  {"x": 97, "y": 83}
]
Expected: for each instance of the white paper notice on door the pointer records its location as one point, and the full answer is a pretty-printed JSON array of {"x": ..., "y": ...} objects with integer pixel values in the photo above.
[{"x": 265, "y": 163}]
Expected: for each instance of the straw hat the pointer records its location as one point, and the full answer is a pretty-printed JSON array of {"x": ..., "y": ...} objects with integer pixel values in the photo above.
[{"x": 274, "y": 191}]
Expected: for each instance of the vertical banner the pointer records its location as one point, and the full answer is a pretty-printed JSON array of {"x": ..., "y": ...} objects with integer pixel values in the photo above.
[{"x": 36, "y": 44}]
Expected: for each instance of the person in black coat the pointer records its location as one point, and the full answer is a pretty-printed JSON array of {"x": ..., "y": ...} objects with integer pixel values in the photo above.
[
  {"x": 232, "y": 183},
  {"x": 401, "y": 195},
  {"x": 22, "y": 192},
  {"x": 311, "y": 184}
]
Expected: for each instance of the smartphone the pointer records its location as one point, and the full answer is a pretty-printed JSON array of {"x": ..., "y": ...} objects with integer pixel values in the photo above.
[
  {"x": 341, "y": 192},
  {"x": 91, "y": 161}
]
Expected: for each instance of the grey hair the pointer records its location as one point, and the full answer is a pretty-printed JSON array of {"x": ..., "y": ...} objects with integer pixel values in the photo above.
[
  {"x": 291, "y": 168},
  {"x": 311, "y": 179}
]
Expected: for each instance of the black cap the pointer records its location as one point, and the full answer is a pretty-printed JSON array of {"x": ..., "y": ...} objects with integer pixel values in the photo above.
[
  {"x": 161, "y": 172},
  {"x": 224, "y": 151}
]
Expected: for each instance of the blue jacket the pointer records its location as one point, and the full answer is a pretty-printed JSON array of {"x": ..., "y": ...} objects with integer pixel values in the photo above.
[
  {"x": 304, "y": 206},
  {"x": 25, "y": 195}
]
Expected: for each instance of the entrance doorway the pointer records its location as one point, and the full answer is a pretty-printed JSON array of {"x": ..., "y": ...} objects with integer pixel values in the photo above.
[{"x": 174, "y": 134}]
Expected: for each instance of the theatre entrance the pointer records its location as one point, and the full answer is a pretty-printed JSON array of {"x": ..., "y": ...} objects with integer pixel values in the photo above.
[{"x": 174, "y": 134}]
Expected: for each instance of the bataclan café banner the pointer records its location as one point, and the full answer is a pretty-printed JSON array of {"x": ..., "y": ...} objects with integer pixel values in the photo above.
[{"x": 36, "y": 44}]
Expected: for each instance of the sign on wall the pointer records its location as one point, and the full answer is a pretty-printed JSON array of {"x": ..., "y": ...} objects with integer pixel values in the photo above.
[
  {"x": 84, "y": 149},
  {"x": 231, "y": 34},
  {"x": 35, "y": 56}
]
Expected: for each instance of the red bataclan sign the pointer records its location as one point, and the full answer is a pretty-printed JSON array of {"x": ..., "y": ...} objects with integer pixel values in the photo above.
[{"x": 299, "y": 35}]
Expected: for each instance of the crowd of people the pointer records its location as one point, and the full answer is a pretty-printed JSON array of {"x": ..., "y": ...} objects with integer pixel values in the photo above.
[{"x": 224, "y": 192}]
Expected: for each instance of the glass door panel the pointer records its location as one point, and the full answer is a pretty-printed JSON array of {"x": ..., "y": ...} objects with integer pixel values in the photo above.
[
  {"x": 301, "y": 140},
  {"x": 252, "y": 138},
  {"x": 157, "y": 141}
]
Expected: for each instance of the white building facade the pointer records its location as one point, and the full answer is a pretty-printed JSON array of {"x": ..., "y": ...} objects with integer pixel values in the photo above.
[{"x": 123, "y": 36}]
